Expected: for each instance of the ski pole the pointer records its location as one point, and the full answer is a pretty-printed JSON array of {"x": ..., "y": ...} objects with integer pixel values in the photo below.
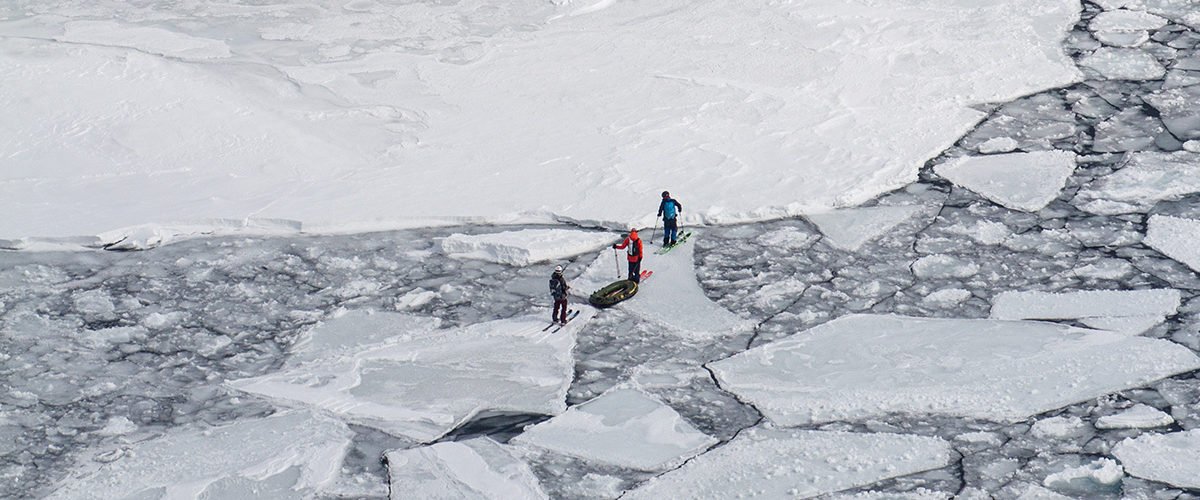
[
  {"x": 655, "y": 231},
  {"x": 617, "y": 261}
]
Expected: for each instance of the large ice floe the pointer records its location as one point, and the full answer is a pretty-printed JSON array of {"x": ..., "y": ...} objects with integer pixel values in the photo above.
[
  {"x": 1020, "y": 181},
  {"x": 623, "y": 427},
  {"x": 1175, "y": 237},
  {"x": 369, "y": 115},
  {"x": 1172, "y": 458},
  {"x": 1123, "y": 311},
  {"x": 848, "y": 229},
  {"x": 284, "y": 456},
  {"x": 987, "y": 369},
  {"x": 784, "y": 463},
  {"x": 672, "y": 297},
  {"x": 521, "y": 248},
  {"x": 1145, "y": 179},
  {"x": 423, "y": 383},
  {"x": 474, "y": 469}
]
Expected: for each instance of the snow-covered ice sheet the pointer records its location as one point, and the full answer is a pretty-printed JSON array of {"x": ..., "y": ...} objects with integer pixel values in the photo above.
[
  {"x": 1145, "y": 179},
  {"x": 1175, "y": 237},
  {"x": 1020, "y": 181},
  {"x": 1124, "y": 64},
  {"x": 672, "y": 297},
  {"x": 1171, "y": 458},
  {"x": 1139, "y": 416},
  {"x": 1122, "y": 311},
  {"x": 475, "y": 469},
  {"x": 287, "y": 455},
  {"x": 987, "y": 369},
  {"x": 848, "y": 229},
  {"x": 623, "y": 427},
  {"x": 781, "y": 463},
  {"x": 428, "y": 382},
  {"x": 353, "y": 331},
  {"x": 370, "y": 116},
  {"x": 524, "y": 247}
]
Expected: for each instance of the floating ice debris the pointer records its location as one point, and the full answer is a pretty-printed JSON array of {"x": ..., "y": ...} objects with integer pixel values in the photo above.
[
  {"x": 1171, "y": 458},
  {"x": 1124, "y": 311},
  {"x": 1175, "y": 237},
  {"x": 1108, "y": 269},
  {"x": 1035, "y": 492},
  {"x": 1060, "y": 428},
  {"x": 671, "y": 298},
  {"x": 354, "y": 331},
  {"x": 1143, "y": 181},
  {"x": 848, "y": 229},
  {"x": 1020, "y": 181},
  {"x": 1103, "y": 473},
  {"x": 1122, "y": 38},
  {"x": 1129, "y": 130},
  {"x": 944, "y": 266},
  {"x": 941, "y": 366},
  {"x": 1126, "y": 20},
  {"x": 781, "y": 463},
  {"x": 1178, "y": 111},
  {"x": 1138, "y": 416},
  {"x": 527, "y": 246},
  {"x": 623, "y": 427},
  {"x": 1124, "y": 64},
  {"x": 947, "y": 297},
  {"x": 475, "y": 469},
  {"x": 288, "y": 455},
  {"x": 425, "y": 383},
  {"x": 997, "y": 145}
]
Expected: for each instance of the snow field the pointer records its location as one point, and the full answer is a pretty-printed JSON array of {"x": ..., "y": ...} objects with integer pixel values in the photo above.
[{"x": 525, "y": 247}]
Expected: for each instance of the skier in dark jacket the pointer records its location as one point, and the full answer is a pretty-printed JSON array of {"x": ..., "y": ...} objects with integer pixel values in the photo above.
[
  {"x": 634, "y": 244},
  {"x": 558, "y": 290},
  {"x": 669, "y": 210}
]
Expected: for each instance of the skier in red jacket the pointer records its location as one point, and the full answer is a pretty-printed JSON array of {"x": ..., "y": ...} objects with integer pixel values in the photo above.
[{"x": 634, "y": 245}]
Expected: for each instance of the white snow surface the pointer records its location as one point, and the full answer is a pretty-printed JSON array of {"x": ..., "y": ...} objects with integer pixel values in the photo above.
[
  {"x": 782, "y": 463},
  {"x": 423, "y": 383},
  {"x": 524, "y": 247},
  {"x": 672, "y": 297},
  {"x": 987, "y": 369},
  {"x": 623, "y": 427},
  {"x": 284, "y": 456},
  {"x": 1124, "y": 311},
  {"x": 1139, "y": 416},
  {"x": 1171, "y": 458},
  {"x": 1020, "y": 181},
  {"x": 474, "y": 469},
  {"x": 338, "y": 118},
  {"x": 1175, "y": 237},
  {"x": 1146, "y": 179},
  {"x": 848, "y": 229}
]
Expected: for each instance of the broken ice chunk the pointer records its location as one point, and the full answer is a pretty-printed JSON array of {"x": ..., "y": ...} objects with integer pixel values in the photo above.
[
  {"x": 1175, "y": 237},
  {"x": 1170, "y": 458},
  {"x": 623, "y": 427},
  {"x": 1125, "y": 311},
  {"x": 1178, "y": 110},
  {"x": 1097, "y": 477},
  {"x": 1139, "y": 416},
  {"x": 1019, "y": 181},
  {"x": 987, "y": 369},
  {"x": 1124, "y": 64},
  {"x": 997, "y": 145},
  {"x": 848, "y": 229},
  {"x": 288, "y": 455},
  {"x": 782, "y": 463},
  {"x": 475, "y": 469},
  {"x": 1143, "y": 181}
]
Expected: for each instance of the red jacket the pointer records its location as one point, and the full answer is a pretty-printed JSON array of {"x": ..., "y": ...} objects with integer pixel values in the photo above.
[{"x": 635, "y": 246}]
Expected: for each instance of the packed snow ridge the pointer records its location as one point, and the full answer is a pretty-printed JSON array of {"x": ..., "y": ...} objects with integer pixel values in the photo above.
[{"x": 420, "y": 114}]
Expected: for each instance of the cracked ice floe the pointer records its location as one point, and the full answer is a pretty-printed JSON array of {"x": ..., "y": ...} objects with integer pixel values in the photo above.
[
  {"x": 1020, "y": 181},
  {"x": 850, "y": 228},
  {"x": 1145, "y": 179},
  {"x": 987, "y": 369},
  {"x": 1124, "y": 311},
  {"x": 672, "y": 297},
  {"x": 623, "y": 427},
  {"x": 783, "y": 463},
  {"x": 1124, "y": 28},
  {"x": 1124, "y": 64},
  {"x": 1175, "y": 237},
  {"x": 1171, "y": 458},
  {"x": 475, "y": 469},
  {"x": 1177, "y": 108},
  {"x": 524, "y": 247},
  {"x": 288, "y": 455},
  {"x": 353, "y": 331},
  {"x": 426, "y": 383},
  {"x": 1139, "y": 416}
]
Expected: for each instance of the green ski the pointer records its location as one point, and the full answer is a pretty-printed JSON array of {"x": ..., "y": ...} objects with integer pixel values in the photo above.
[{"x": 677, "y": 243}]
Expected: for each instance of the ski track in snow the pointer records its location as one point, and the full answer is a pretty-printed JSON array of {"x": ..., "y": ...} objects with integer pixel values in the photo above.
[{"x": 104, "y": 354}]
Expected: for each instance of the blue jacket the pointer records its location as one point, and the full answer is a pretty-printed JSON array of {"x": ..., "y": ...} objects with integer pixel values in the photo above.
[{"x": 669, "y": 208}]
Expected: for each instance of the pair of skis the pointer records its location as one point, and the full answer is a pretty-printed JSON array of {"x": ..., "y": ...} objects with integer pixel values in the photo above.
[
  {"x": 677, "y": 243},
  {"x": 571, "y": 314}
]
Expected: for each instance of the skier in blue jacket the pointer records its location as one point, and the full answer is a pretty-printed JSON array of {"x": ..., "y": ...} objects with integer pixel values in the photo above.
[{"x": 669, "y": 210}]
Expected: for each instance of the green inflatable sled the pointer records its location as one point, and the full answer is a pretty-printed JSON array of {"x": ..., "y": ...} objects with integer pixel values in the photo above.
[{"x": 613, "y": 293}]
